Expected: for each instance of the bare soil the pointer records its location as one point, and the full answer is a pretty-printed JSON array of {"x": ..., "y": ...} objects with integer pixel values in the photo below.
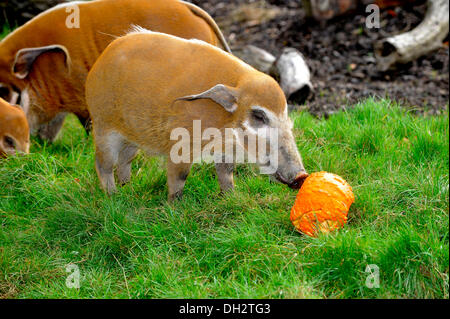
[{"x": 339, "y": 52}]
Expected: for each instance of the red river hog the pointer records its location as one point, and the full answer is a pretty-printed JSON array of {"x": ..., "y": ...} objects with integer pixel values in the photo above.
[
  {"x": 45, "y": 62},
  {"x": 147, "y": 88},
  {"x": 14, "y": 131}
]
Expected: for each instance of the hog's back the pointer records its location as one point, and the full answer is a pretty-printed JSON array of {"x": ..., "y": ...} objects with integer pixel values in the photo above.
[
  {"x": 133, "y": 86},
  {"x": 101, "y": 22}
]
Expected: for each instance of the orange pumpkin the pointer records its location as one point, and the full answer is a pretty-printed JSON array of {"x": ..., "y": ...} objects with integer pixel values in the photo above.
[{"x": 322, "y": 204}]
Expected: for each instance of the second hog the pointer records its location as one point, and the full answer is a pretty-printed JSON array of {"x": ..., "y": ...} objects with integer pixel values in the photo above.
[
  {"x": 145, "y": 85},
  {"x": 45, "y": 62},
  {"x": 14, "y": 130}
]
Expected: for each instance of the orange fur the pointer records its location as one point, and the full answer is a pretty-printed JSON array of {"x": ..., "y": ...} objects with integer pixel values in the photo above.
[
  {"x": 53, "y": 87},
  {"x": 14, "y": 131},
  {"x": 142, "y": 86},
  {"x": 133, "y": 87}
]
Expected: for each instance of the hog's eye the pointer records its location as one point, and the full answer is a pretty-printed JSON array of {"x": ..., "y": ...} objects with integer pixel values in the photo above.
[
  {"x": 260, "y": 117},
  {"x": 9, "y": 142}
]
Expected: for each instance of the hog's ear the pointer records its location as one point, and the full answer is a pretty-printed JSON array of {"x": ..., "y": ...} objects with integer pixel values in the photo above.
[
  {"x": 25, "y": 58},
  {"x": 221, "y": 94}
]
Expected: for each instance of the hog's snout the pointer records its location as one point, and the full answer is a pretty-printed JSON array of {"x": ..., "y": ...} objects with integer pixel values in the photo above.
[
  {"x": 290, "y": 168},
  {"x": 294, "y": 183},
  {"x": 299, "y": 180}
]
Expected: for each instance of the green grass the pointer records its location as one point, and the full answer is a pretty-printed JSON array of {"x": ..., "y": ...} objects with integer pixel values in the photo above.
[
  {"x": 5, "y": 29},
  {"x": 135, "y": 244}
]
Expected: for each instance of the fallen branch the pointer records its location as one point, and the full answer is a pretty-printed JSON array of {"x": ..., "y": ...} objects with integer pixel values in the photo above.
[
  {"x": 290, "y": 70},
  {"x": 293, "y": 74},
  {"x": 256, "y": 57},
  {"x": 425, "y": 38}
]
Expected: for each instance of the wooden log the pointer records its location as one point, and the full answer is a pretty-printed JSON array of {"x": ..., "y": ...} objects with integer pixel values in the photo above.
[
  {"x": 256, "y": 57},
  {"x": 425, "y": 38},
  {"x": 290, "y": 70},
  {"x": 293, "y": 75}
]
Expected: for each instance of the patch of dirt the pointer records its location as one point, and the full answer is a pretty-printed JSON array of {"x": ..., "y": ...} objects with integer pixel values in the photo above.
[{"x": 339, "y": 52}]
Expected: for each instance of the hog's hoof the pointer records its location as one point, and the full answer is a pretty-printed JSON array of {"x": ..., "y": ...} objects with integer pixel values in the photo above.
[{"x": 176, "y": 196}]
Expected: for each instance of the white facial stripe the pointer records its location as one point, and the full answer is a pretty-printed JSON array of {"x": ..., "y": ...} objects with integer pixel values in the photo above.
[
  {"x": 262, "y": 132},
  {"x": 283, "y": 122},
  {"x": 25, "y": 101},
  {"x": 14, "y": 98},
  {"x": 249, "y": 128},
  {"x": 269, "y": 114}
]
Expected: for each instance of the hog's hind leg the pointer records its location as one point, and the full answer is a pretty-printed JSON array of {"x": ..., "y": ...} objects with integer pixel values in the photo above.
[
  {"x": 127, "y": 153},
  {"x": 108, "y": 147}
]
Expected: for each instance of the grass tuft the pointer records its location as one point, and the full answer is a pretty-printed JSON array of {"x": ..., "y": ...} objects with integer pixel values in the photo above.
[{"x": 135, "y": 244}]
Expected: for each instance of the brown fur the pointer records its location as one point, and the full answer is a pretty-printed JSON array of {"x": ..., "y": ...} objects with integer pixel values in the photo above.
[
  {"x": 55, "y": 84},
  {"x": 14, "y": 131},
  {"x": 144, "y": 85}
]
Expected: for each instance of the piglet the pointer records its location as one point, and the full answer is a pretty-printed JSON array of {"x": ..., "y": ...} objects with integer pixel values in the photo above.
[{"x": 167, "y": 95}]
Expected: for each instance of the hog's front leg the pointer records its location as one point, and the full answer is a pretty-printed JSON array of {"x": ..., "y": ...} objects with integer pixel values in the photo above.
[
  {"x": 176, "y": 178},
  {"x": 225, "y": 176},
  {"x": 48, "y": 131}
]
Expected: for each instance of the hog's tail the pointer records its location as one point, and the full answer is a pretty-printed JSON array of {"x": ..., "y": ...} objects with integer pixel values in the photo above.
[{"x": 208, "y": 19}]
